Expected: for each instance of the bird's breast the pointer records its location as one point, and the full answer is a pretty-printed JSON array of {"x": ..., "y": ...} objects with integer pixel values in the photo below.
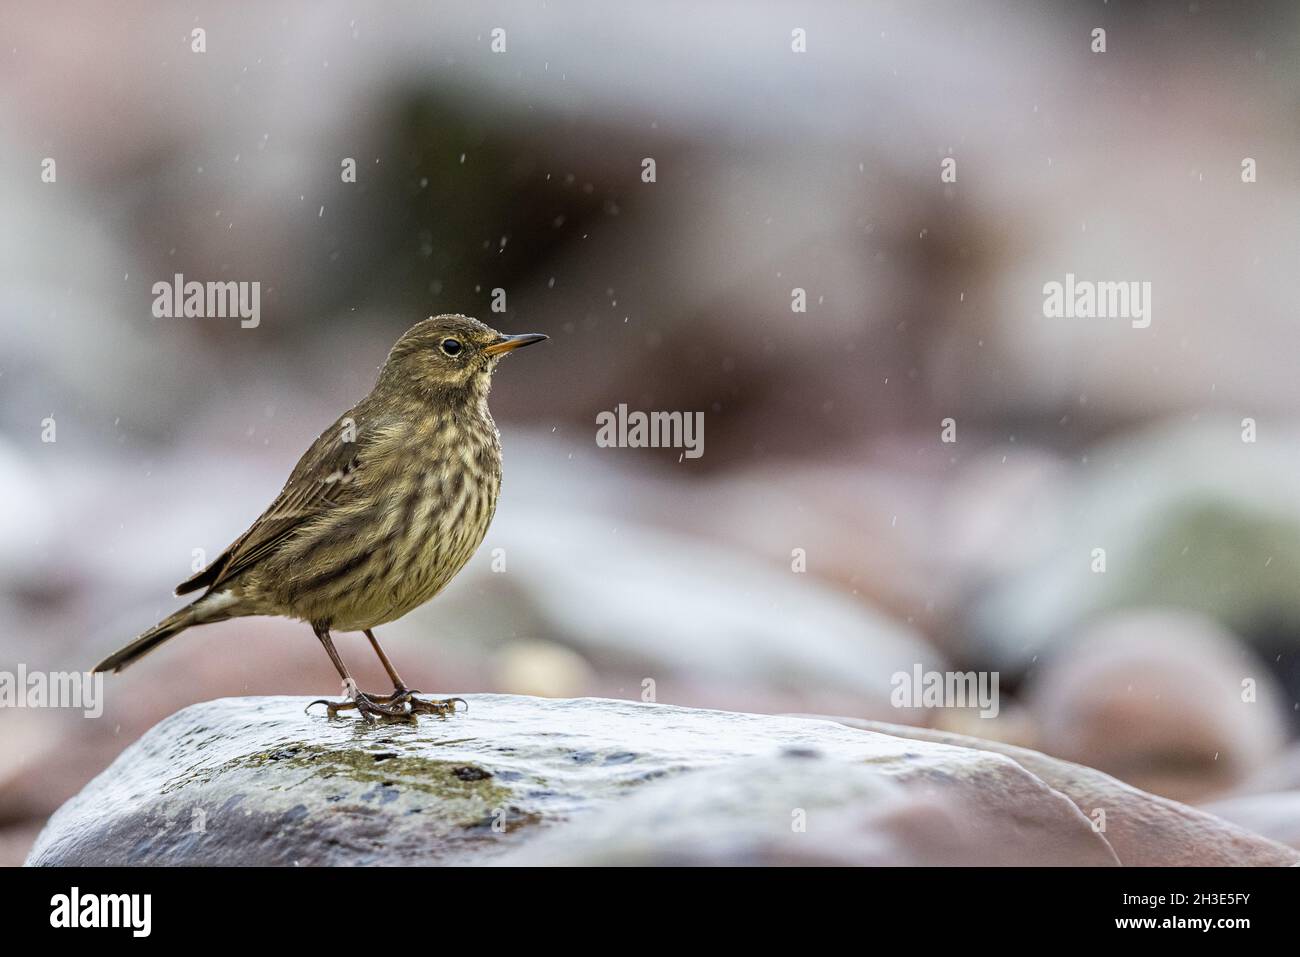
[
  {"x": 413, "y": 520},
  {"x": 450, "y": 501}
]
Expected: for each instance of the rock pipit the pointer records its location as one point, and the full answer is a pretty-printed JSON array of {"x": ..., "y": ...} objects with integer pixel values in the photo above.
[{"x": 383, "y": 510}]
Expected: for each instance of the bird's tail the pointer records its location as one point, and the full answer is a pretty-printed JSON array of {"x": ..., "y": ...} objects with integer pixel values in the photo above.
[{"x": 169, "y": 627}]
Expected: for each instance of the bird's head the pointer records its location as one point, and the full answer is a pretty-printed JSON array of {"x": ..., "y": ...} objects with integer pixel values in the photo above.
[{"x": 451, "y": 354}]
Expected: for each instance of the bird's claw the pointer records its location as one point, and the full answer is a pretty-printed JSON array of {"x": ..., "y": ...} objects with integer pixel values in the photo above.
[
  {"x": 442, "y": 708},
  {"x": 402, "y": 704}
]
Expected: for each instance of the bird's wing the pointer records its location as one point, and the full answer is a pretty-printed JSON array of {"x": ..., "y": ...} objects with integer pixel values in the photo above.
[{"x": 319, "y": 481}]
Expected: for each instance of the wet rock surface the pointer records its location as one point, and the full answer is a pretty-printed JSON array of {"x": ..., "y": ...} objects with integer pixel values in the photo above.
[
  {"x": 241, "y": 781},
  {"x": 1143, "y": 829}
]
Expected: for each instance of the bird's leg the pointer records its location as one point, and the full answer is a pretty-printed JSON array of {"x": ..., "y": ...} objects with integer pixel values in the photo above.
[
  {"x": 399, "y": 686},
  {"x": 404, "y": 695},
  {"x": 366, "y": 706}
]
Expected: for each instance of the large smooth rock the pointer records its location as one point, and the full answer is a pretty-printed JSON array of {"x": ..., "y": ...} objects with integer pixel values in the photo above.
[
  {"x": 533, "y": 780},
  {"x": 1166, "y": 700}
]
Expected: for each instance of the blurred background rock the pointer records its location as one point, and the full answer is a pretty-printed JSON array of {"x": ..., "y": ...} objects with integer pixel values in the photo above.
[{"x": 775, "y": 170}]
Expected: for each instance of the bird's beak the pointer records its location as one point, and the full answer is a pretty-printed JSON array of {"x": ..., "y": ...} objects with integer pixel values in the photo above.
[{"x": 509, "y": 343}]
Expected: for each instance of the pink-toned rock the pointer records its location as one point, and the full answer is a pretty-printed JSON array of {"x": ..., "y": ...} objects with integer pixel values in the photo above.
[
  {"x": 16, "y": 840},
  {"x": 1143, "y": 830},
  {"x": 1165, "y": 700}
]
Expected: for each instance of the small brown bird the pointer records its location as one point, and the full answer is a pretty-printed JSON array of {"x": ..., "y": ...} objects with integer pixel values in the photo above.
[{"x": 383, "y": 510}]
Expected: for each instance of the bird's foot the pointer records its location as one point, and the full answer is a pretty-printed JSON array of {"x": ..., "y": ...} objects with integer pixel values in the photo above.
[
  {"x": 368, "y": 707},
  {"x": 407, "y": 696},
  {"x": 402, "y": 703}
]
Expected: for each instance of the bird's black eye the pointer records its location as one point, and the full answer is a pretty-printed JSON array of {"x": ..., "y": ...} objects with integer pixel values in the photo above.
[{"x": 451, "y": 347}]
